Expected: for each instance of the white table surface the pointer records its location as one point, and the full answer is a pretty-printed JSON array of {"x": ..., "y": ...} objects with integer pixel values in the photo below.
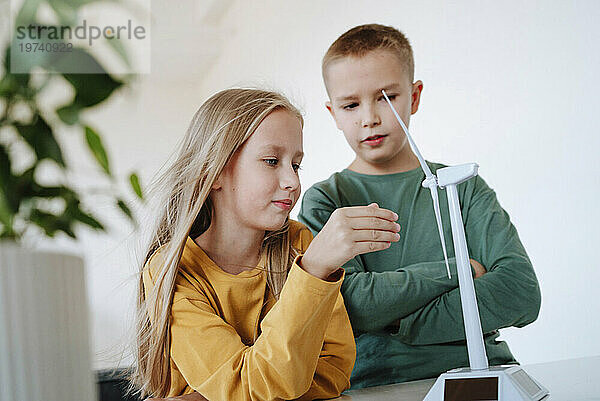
[{"x": 568, "y": 380}]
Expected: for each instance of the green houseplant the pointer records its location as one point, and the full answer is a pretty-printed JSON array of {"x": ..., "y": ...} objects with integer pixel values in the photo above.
[
  {"x": 22, "y": 197},
  {"x": 46, "y": 354}
]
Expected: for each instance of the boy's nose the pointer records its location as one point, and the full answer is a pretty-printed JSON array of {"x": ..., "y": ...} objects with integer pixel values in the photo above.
[{"x": 370, "y": 118}]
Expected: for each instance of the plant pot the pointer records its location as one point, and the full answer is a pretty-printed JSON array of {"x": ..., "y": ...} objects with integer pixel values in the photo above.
[{"x": 44, "y": 340}]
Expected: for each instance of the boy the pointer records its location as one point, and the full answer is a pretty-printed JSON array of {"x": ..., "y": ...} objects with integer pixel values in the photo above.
[{"x": 405, "y": 312}]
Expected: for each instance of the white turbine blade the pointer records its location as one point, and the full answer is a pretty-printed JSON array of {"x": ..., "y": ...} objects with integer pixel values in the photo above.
[
  {"x": 430, "y": 180},
  {"x": 438, "y": 218},
  {"x": 413, "y": 146}
]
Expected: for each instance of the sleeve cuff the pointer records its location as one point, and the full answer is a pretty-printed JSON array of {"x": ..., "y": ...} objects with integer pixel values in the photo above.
[{"x": 315, "y": 284}]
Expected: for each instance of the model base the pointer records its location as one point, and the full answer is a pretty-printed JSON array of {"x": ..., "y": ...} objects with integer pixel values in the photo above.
[{"x": 497, "y": 383}]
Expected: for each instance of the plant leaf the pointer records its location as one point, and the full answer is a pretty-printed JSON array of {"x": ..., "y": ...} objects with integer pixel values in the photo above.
[
  {"x": 73, "y": 212},
  {"x": 16, "y": 81},
  {"x": 92, "y": 83},
  {"x": 10, "y": 203},
  {"x": 135, "y": 185},
  {"x": 69, "y": 114},
  {"x": 6, "y": 175},
  {"x": 80, "y": 3},
  {"x": 117, "y": 45},
  {"x": 95, "y": 144},
  {"x": 7, "y": 86},
  {"x": 27, "y": 13},
  {"x": 73, "y": 63},
  {"x": 51, "y": 223},
  {"x": 6, "y": 217},
  {"x": 125, "y": 209},
  {"x": 66, "y": 13},
  {"x": 6, "y": 212},
  {"x": 54, "y": 192},
  {"x": 93, "y": 88},
  {"x": 40, "y": 137},
  {"x": 89, "y": 220},
  {"x": 24, "y": 187}
]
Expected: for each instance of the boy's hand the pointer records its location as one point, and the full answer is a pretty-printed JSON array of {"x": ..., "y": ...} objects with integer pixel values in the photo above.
[
  {"x": 350, "y": 231},
  {"x": 478, "y": 267},
  {"x": 189, "y": 397}
]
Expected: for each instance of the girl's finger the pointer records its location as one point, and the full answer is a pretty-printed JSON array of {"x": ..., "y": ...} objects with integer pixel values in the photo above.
[
  {"x": 366, "y": 247},
  {"x": 374, "y": 236},
  {"x": 370, "y": 211},
  {"x": 373, "y": 223}
]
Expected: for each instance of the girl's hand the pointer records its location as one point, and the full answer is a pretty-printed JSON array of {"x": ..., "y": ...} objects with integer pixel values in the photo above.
[{"x": 350, "y": 231}]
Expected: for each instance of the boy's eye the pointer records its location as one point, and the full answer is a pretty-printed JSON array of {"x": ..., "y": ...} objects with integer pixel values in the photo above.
[
  {"x": 391, "y": 97},
  {"x": 296, "y": 167},
  {"x": 350, "y": 106},
  {"x": 271, "y": 161}
]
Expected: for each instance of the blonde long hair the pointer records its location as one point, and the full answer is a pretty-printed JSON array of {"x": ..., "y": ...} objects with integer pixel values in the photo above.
[{"x": 217, "y": 130}]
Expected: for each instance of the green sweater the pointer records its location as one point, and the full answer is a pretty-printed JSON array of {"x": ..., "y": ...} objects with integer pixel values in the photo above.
[{"x": 405, "y": 312}]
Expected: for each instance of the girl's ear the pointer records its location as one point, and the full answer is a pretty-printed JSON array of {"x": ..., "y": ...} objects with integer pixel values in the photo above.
[{"x": 217, "y": 184}]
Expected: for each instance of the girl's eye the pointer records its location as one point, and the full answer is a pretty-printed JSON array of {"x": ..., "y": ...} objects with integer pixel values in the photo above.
[
  {"x": 350, "y": 106},
  {"x": 296, "y": 167},
  {"x": 271, "y": 162},
  {"x": 391, "y": 97}
]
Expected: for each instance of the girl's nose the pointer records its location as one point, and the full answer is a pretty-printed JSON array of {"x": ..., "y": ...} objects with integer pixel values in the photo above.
[{"x": 290, "y": 180}]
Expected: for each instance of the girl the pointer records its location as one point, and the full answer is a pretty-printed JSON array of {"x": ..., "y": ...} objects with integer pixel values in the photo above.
[{"x": 233, "y": 302}]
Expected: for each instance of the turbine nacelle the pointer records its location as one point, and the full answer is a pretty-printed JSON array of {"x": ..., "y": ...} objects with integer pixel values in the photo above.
[{"x": 455, "y": 175}]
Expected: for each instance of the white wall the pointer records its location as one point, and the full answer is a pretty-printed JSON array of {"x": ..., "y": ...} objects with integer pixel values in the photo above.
[{"x": 510, "y": 85}]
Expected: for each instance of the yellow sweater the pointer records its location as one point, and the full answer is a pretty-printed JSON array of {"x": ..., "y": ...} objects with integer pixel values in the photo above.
[{"x": 305, "y": 348}]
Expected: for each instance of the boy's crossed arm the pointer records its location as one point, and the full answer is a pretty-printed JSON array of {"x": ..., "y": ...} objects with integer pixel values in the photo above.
[
  {"x": 376, "y": 300},
  {"x": 422, "y": 297},
  {"x": 508, "y": 295}
]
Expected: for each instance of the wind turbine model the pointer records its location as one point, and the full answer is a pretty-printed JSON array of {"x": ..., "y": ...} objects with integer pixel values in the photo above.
[{"x": 479, "y": 382}]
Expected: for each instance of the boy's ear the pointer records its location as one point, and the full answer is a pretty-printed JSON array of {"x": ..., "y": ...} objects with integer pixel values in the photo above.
[
  {"x": 417, "y": 88},
  {"x": 330, "y": 109}
]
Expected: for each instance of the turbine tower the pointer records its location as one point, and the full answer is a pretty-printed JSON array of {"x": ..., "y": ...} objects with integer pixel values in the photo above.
[{"x": 479, "y": 381}]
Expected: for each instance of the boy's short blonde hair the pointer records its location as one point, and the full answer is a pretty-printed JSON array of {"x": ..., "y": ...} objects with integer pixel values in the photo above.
[{"x": 362, "y": 39}]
